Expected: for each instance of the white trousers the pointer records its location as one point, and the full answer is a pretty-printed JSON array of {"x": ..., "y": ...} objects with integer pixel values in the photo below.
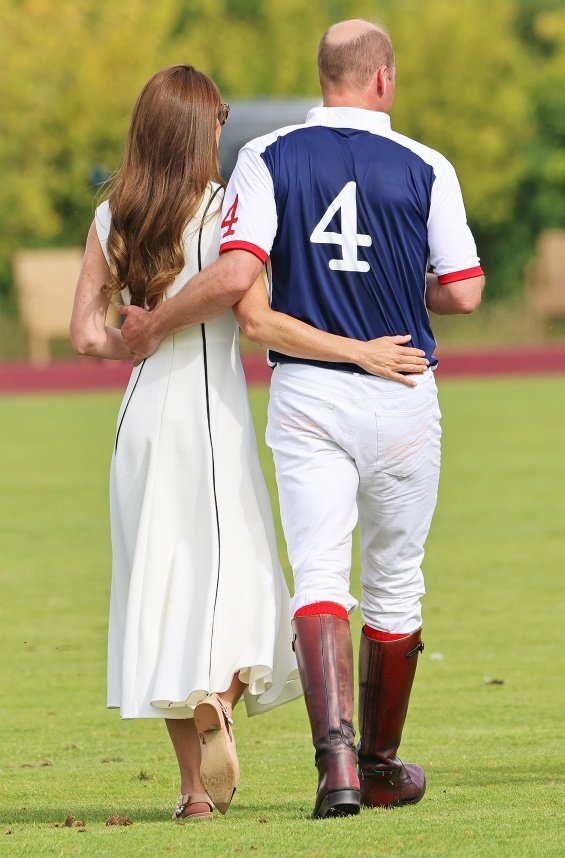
[{"x": 351, "y": 447}]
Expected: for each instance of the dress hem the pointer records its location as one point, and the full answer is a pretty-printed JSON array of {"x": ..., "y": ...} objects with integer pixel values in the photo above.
[{"x": 255, "y": 704}]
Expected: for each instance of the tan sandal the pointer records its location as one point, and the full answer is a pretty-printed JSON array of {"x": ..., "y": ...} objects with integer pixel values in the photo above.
[
  {"x": 189, "y": 807},
  {"x": 219, "y": 769}
]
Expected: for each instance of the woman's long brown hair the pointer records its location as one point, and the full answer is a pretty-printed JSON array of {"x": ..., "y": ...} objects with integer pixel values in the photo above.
[{"x": 171, "y": 156}]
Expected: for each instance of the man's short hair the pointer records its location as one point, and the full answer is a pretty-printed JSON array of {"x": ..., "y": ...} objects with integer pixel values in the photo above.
[{"x": 352, "y": 64}]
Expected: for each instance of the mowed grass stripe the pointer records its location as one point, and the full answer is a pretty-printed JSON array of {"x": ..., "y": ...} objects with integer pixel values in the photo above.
[{"x": 486, "y": 719}]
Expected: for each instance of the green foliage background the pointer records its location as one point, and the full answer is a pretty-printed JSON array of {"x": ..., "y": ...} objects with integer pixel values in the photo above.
[{"x": 481, "y": 80}]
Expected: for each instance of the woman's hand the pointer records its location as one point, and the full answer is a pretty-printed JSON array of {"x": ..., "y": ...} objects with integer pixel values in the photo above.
[{"x": 389, "y": 357}]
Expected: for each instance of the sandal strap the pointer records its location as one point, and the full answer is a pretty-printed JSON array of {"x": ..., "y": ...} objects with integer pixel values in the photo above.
[
  {"x": 191, "y": 798},
  {"x": 223, "y": 707}
]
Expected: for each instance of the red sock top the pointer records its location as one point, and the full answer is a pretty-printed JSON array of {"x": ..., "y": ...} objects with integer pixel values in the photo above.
[
  {"x": 317, "y": 608},
  {"x": 377, "y": 635}
]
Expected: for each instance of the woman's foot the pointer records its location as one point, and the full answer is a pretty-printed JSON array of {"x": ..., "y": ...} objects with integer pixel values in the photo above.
[
  {"x": 195, "y": 806},
  {"x": 219, "y": 769}
]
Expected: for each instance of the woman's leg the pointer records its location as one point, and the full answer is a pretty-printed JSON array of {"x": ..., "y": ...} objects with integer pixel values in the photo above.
[
  {"x": 220, "y": 767},
  {"x": 187, "y": 743},
  {"x": 187, "y": 748},
  {"x": 231, "y": 695}
]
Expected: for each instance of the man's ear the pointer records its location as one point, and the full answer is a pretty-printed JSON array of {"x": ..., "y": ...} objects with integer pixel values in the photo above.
[{"x": 382, "y": 80}]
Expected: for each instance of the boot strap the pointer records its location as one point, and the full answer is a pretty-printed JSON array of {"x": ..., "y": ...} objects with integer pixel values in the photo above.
[{"x": 415, "y": 650}]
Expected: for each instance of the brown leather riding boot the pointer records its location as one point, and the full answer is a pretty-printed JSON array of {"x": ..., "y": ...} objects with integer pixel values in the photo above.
[
  {"x": 325, "y": 661},
  {"x": 386, "y": 673}
]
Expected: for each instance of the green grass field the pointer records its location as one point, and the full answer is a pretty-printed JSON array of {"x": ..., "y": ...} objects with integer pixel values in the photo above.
[{"x": 486, "y": 720}]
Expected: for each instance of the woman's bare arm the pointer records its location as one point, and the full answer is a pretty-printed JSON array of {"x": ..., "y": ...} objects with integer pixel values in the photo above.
[
  {"x": 89, "y": 333},
  {"x": 387, "y": 357}
]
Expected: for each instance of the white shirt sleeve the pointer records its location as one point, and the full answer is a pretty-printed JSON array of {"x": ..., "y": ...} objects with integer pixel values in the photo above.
[
  {"x": 249, "y": 213},
  {"x": 453, "y": 252}
]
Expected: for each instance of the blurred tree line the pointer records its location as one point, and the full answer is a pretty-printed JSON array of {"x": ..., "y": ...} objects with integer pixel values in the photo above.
[{"x": 480, "y": 80}]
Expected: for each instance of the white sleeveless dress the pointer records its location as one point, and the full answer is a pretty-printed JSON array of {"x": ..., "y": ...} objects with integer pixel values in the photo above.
[{"x": 197, "y": 590}]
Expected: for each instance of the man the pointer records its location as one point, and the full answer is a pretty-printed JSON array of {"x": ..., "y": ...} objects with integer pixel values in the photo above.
[{"x": 350, "y": 215}]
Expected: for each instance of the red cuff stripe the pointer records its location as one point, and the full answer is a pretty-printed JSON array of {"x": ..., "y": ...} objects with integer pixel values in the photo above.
[
  {"x": 317, "y": 608},
  {"x": 377, "y": 635},
  {"x": 245, "y": 245},
  {"x": 453, "y": 276}
]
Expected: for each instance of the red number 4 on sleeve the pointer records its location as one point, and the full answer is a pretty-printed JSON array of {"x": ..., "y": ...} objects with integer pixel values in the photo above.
[{"x": 230, "y": 218}]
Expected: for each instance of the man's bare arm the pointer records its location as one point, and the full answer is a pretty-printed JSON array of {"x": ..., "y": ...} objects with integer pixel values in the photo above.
[
  {"x": 462, "y": 296},
  {"x": 205, "y": 296}
]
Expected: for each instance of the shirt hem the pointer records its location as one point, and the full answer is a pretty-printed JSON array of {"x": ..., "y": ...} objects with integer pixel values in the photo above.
[
  {"x": 274, "y": 358},
  {"x": 454, "y": 276},
  {"x": 245, "y": 245}
]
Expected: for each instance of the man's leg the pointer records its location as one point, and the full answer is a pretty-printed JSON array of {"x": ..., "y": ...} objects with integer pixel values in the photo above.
[
  {"x": 386, "y": 673},
  {"x": 396, "y": 500},
  {"x": 324, "y": 654},
  {"x": 317, "y": 484}
]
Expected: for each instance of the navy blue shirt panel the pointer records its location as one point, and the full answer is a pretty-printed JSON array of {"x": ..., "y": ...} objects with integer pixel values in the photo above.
[{"x": 310, "y": 167}]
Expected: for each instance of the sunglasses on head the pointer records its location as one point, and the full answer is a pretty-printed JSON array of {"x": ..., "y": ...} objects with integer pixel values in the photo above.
[{"x": 223, "y": 113}]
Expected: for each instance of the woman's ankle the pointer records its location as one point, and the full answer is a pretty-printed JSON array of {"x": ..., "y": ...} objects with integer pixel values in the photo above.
[
  {"x": 192, "y": 787},
  {"x": 232, "y": 695}
]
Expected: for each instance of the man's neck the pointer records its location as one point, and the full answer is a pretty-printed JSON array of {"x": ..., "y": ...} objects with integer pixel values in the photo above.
[{"x": 352, "y": 100}]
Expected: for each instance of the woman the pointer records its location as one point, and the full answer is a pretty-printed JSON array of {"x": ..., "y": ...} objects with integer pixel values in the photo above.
[{"x": 199, "y": 607}]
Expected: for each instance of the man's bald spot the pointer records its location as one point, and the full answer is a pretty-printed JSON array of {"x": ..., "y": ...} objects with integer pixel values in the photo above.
[
  {"x": 345, "y": 31},
  {"x": 350, "y": 52}
]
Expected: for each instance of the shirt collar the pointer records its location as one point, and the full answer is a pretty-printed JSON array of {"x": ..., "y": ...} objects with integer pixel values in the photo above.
[{"x": 349, "y": 117}]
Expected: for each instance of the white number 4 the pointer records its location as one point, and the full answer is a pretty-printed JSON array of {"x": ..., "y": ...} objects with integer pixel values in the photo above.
[{"x": 348, "y": 238}]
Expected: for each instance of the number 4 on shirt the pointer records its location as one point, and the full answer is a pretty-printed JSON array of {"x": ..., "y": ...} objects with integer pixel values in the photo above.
[
  {"x": 348, "y": 238},
  {"x": 230, "y": 218}
]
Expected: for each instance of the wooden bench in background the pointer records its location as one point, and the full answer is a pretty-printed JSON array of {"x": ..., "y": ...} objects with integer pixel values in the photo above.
[
  {"x": 45, "y": 284},
  {"x": 545, "y": 277}
]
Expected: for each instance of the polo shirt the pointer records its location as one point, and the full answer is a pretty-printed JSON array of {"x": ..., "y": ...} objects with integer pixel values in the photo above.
[{"x": 349, "y": 216}]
